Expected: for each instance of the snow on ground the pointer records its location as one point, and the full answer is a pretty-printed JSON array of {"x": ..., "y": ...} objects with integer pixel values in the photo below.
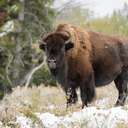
[
  {"x": 102, "y": 103},
  {"x": 0, "y": 124},
  {"x": 24, "y": 122},
  {"x": 99, "y": 114},
  {"x": 90, "y": 117}
]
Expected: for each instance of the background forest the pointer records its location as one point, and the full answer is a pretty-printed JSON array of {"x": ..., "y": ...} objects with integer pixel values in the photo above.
[{"x": 23, "y": 22}]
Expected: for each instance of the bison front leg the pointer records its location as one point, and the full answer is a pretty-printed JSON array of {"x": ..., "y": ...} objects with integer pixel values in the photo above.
[
  {"x": 71, "y": 96},
  {"x": 87, "y": 89}
]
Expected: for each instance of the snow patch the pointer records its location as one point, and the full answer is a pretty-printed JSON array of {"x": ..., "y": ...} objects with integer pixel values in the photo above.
[
  {"x": 49, "y": 120},
  {"x": 90, "y": 117},
  {"x": 102, "y": 103},
  {"x": 24, "y": 122}
]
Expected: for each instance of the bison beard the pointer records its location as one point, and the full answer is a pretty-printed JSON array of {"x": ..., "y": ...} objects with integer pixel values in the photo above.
[{"x": 85, "y": 59}]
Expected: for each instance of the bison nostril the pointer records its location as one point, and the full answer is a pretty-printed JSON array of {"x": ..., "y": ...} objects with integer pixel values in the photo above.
[{"x": 51, "y": 61}]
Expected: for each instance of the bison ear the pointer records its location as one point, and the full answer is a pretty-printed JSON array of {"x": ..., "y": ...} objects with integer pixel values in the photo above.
[
  {"x": 68, "y": 45},
  {"x": 42, "y": 45}
]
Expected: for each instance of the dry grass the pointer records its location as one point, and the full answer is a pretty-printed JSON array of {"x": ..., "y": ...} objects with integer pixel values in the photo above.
[
  {"x": 46, "y": 99},
  {"x": 122, "y": 125},
  {"x": 109, "y": 93}
]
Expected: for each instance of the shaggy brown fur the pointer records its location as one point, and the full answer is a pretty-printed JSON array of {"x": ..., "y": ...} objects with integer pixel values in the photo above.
[{"x": 92, "y": 60}]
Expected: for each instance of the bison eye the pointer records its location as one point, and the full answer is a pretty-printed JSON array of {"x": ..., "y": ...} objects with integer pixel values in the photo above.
[{"x": 69, "y": 45}]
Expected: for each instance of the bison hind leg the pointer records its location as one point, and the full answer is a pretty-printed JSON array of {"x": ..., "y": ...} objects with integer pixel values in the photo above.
[{"x": 121, "y": 83}]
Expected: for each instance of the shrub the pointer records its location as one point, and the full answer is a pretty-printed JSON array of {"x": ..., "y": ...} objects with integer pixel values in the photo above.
[
  {"x": 43, "y": 76},
  {"x": 4, "y": 88}
]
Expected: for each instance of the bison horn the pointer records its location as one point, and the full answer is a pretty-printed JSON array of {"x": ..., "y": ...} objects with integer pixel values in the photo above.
[
  {"x": 68, "y": 41},
  {"x": 68, "y": 44}
]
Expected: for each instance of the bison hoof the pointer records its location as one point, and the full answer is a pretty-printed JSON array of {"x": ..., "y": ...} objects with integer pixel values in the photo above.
[
  {"x": 71, "y": 101},
  {"x": 74, "y": 100},
  {"x": 84, "y": 104},
  {"x": 119, "y": 104}
]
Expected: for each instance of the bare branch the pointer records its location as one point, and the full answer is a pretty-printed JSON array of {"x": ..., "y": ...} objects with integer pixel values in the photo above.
[{"x": 33, "y": 71}]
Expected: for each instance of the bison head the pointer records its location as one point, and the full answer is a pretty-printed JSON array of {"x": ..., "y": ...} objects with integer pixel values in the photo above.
[{"x": 55, "y": 46}]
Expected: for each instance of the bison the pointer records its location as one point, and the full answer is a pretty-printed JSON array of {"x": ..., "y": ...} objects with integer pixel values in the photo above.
[{"x": 85, "y": 59}]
